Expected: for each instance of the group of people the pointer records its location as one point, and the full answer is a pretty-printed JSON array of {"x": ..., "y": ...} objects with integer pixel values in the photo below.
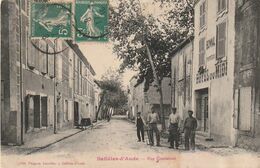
[{"x": 175, "y": 131}]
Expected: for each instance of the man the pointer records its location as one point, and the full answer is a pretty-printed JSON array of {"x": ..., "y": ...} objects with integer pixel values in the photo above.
[
  {"x": 189, "y": 127},
  {"x": 139, "y": 122},
  {"x": 173, "y": 129},
  {"x": 153, "y": 119}
]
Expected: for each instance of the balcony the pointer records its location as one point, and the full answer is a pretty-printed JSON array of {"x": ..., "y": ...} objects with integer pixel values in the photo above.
[{"x": 203, "y": 74}]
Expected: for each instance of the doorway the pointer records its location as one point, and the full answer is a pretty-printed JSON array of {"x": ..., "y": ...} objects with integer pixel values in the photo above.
[
  {"x": 44, "y": 110},
  {"x": 37, "y": 111},
  {"x": 29, "y": 113},
  {"x": 76, "y": 113},
  {"x": 202, "y": 110}
]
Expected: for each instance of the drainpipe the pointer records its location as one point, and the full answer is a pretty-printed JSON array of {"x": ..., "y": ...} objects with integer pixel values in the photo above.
[
  {"x": 0, "y": 58},
  {"x": 54, "y": 91},
  {"x": 21, "y": 71}
]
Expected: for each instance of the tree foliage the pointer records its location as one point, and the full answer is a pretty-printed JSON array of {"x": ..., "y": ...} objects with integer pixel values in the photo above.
[
  {"x": 130, "y": 28},
  {"x": 112, "y": 91}
]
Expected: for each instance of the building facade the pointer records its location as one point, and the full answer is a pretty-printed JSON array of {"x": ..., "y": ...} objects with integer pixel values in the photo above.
[
  {"x": 225, "y": 85},
  {"x": 42, "y": 92},
  {"x": 141, "y": 101},
  {"x": 181, "y": 79},
  {"x": 213, "y": 69},
  {"x": 247, "y": 78}
]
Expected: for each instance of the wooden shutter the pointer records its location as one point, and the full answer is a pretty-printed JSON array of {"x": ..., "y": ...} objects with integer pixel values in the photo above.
[
  {"x": 222, "y": 5},
  {"x": 51, "y": 62},
  {"x": 202, "y": 14},
  {"x": 43, "y": 58},
  {"x": 236, "y": 109},
  {"x": 245, "y": 109},
  {"x": 31, "y": 55},
  {"x": 201, "y": 51},
  {"x": 221, "y": 40}
]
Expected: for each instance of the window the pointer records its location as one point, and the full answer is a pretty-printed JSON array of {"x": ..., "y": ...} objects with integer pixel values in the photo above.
[
  {"x": 222, "y": 5},
  {"x": 43, "y": 58},
  {"x": 51, "y": 61},
  {"x": 181, "y": 65},
  {"x": 202, "y": 52},
  {"x": 31, "y": 56},
  {"x": 221, "y": 40},
  {"x": 203, "y": 14}
]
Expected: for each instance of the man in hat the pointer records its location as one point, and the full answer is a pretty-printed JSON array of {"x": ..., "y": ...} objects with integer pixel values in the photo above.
[
  {"x": 139, "y": 122},
  {"x": 153, "y": 119},
  {"x": 189, "y": 129},
  {"x": 174, "y": 120}
]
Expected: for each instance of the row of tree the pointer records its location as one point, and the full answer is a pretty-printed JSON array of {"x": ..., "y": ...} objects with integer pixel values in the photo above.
[{"x": 113, "y": 96}]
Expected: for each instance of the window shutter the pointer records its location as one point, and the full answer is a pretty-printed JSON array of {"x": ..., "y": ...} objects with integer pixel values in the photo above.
[
  {"x": 224, "y": 4},
  {"x": 245, "y": 109},
  {"x": 236, "y": 109},
  {"x": 201, "y": 51},
  {"x": 219, "y": 5},
  {"x": 221, "y": 40},
  {"x": 51, "y": 61},
  {"x": 202, "y": 14}
]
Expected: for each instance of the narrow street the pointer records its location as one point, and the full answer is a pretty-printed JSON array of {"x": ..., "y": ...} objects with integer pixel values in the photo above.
[
  {"x": 118, "y": 134},
  {"x": 115, "y": 143}
]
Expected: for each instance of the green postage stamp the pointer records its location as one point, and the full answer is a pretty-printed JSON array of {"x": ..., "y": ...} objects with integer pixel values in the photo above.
[
  {"x": 51, "y": 20},
  {"x": 91, "y": 20}
]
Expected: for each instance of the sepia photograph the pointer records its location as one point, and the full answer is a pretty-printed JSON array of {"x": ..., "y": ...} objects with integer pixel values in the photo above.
[{"x": 130, "y": 83}]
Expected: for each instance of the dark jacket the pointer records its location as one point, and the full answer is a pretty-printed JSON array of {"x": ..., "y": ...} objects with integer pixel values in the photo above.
[{"x": 190, "y": 123}]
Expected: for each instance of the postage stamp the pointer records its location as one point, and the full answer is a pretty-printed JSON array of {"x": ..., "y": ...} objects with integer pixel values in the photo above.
[
  {"x": 91, "y": 20},
  {"x": 51, "y": 20}
]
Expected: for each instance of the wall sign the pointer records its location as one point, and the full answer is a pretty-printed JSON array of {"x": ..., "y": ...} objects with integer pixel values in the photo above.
[{"x": 210, "y": 43}]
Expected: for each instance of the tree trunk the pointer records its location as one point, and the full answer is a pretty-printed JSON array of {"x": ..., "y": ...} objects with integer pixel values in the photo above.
[
  {"x": 100, "y": 105},
  {"x": 159, "y": 86},
  {"x": 161, "y": 107}
]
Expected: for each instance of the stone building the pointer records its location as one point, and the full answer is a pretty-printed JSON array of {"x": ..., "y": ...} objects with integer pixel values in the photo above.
[
  {"x": 181, "y": 77},
  {"x": 143, "y": 101},
  {"x": 42, "y": 92},
  {"x": 213, "y": 69},
  {"x": 246, "y": 74},
  {"x": 225, "y": 83}
]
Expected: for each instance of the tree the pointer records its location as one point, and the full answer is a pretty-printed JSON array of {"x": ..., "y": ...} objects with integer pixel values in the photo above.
[
  {"x": 112, "y": 95},
  {"x": 145, "y": 42}
]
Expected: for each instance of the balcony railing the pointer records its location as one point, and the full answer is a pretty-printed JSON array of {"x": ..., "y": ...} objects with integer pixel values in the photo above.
[{"x": 203, "y": 74}]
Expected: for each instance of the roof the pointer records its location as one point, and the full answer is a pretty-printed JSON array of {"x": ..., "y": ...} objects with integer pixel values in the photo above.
[
  {"x": 76, "y": 49},
  {"x": 182, "y": 45}
]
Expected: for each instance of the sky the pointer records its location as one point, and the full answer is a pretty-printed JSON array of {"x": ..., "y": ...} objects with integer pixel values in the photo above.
[{"x": 101, "y": 57}]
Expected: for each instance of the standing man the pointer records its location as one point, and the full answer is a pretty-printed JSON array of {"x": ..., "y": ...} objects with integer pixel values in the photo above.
[
  {"x": 139, "y": 122},
  {"x": 190, "y": 126},
  {"x": 153, "y": 119},
  {"x": 174, "y": 120}
]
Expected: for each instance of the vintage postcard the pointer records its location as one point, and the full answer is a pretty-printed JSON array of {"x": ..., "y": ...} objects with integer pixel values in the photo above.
[{"x": 130, "y": 83}]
